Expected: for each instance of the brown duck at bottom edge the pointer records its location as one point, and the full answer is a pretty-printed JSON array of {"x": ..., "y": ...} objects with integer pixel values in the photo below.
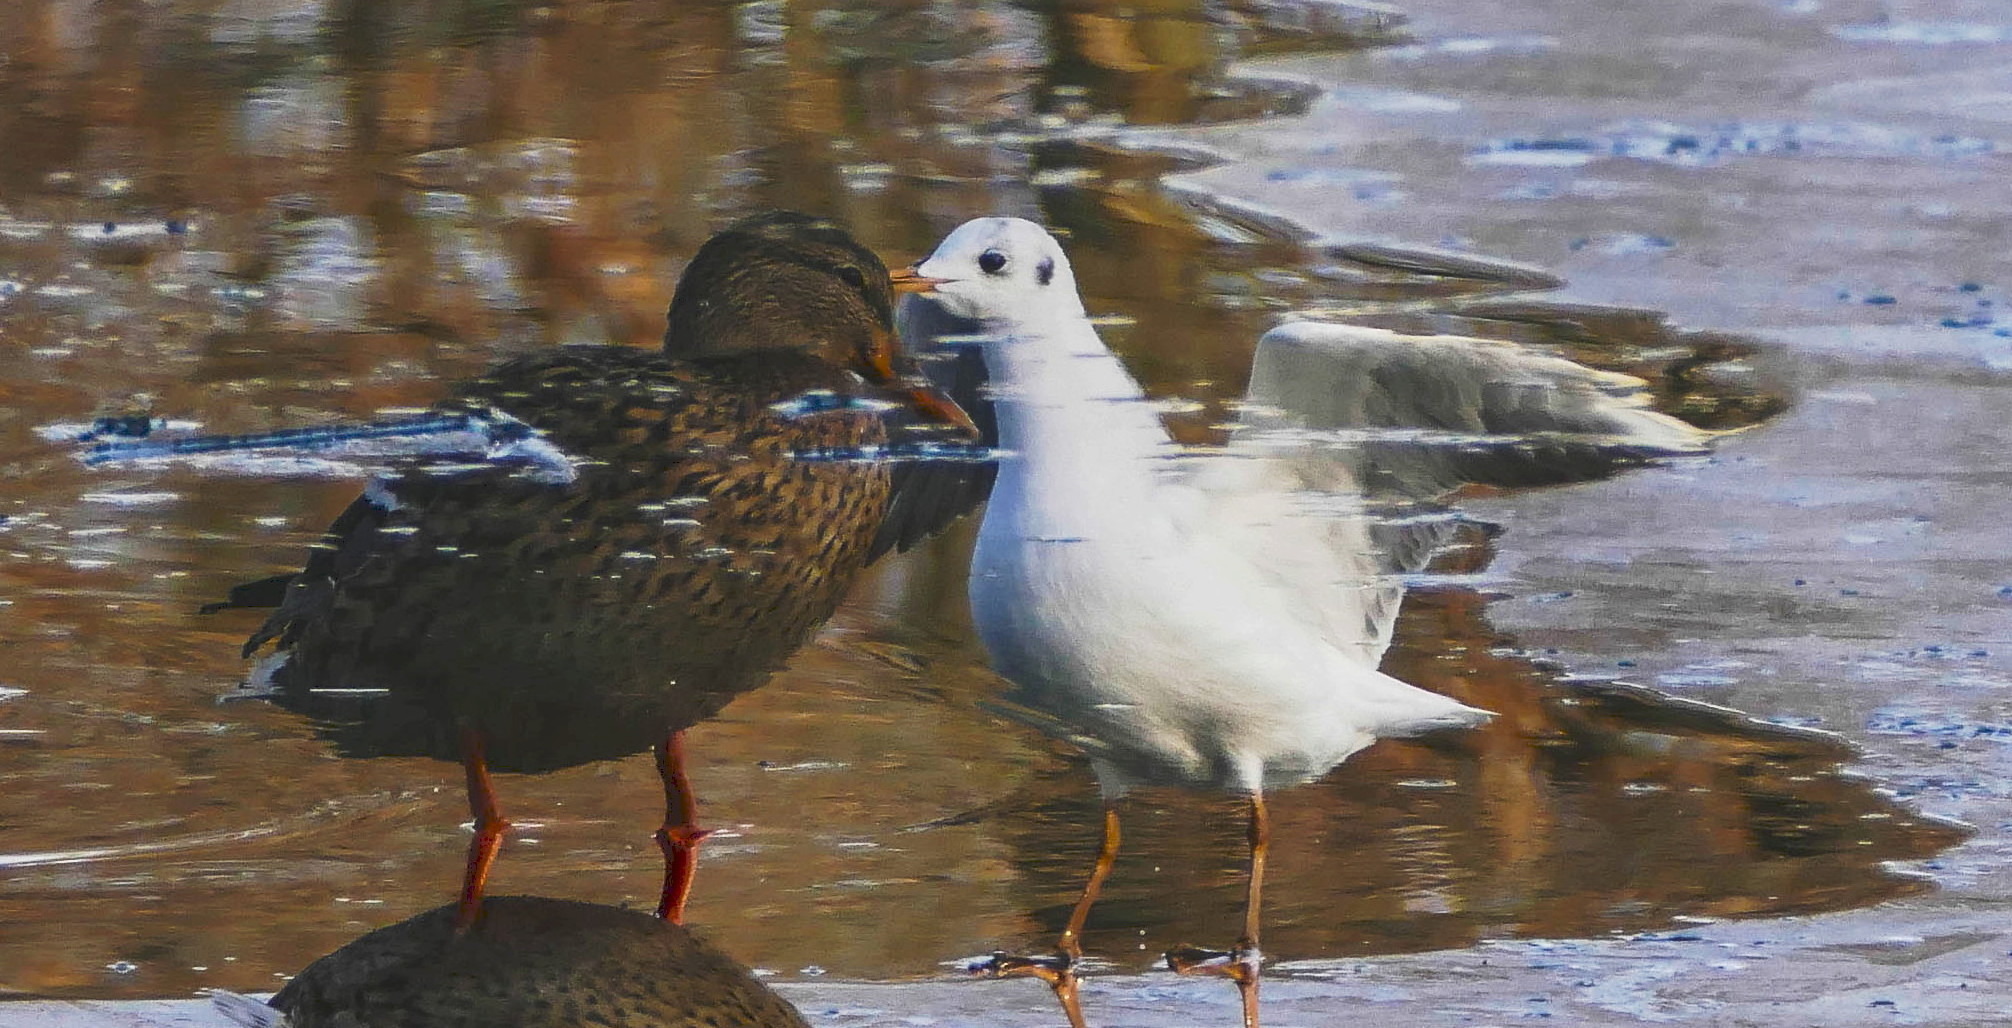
[{"x": 529, "y": 962}]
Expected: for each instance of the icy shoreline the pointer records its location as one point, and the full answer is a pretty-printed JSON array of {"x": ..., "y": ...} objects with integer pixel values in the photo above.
[{"x": 1840, "y": 970}]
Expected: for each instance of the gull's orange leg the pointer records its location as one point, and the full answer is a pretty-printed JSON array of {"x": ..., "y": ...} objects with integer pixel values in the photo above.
[
  {"x": 489, "y": 828},
  {"x": 1241, "y": 964},
  {"x": 1060, "y": 971},
  {"x": 680, "y": 836}
]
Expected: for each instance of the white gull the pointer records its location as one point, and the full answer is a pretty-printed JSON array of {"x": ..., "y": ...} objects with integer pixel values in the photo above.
[{"x": 1180, "y": 620}]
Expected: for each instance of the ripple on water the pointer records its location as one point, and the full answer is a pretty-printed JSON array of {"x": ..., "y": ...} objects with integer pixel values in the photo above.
[
  {"x": 1924, "y": 722},
  {"x": 1705, "y": 146},
  {"x": 1923, "y": 33}
]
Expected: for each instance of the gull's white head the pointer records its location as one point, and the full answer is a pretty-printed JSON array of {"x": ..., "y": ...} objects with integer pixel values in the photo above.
[{"x": 1003, "y": 270}]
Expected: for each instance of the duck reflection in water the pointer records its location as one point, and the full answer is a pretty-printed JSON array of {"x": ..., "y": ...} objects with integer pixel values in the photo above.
[
  {"x": 530, "y": 963},
  {"x": 1182, "y": 626},
  {"x": 526, "y": 622}
]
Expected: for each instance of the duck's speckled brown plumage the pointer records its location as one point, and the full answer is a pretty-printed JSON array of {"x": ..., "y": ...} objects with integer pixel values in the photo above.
[
  {"x": 532, "y": 963},
  {"x": 570, "y": 623},
  {"x": 692, "y": 555}
]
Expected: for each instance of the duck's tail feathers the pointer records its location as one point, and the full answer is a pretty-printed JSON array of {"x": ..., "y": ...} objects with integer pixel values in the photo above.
[
  {"x": 266, "y": 592},
  {"x": 246, "y": 1011}
]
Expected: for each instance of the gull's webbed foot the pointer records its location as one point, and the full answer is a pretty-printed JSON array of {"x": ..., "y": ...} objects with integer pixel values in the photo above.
[
  {"x": 1240, "y": 965},
  {"x": 1051, "y": 968},
  {"x": 1058, "y": 970}
]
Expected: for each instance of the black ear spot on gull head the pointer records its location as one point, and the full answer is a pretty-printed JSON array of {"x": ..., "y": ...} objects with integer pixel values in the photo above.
[{"x": 1044, "y": 272}]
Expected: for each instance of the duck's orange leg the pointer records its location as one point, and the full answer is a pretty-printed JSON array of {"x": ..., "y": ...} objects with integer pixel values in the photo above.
[
  {"x": 680, "y": 836},
  {"x": 489, "y": 829}
]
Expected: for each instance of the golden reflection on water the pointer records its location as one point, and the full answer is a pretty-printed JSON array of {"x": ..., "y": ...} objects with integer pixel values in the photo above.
[{"x": 326, "y": 209}]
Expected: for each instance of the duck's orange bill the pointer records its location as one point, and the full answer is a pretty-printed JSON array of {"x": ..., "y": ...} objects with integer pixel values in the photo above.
[
  {"x": 938, "y": 406},
  {"x": 908, "y": 280},
  {"x": 878, "y": 366}
]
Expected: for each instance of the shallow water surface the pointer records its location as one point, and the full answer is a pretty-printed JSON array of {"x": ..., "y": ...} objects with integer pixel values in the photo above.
[{"x": 257, "y": 213}]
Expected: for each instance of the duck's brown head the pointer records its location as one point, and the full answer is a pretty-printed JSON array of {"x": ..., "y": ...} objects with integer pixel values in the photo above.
[{"x": 789, "y": 281}]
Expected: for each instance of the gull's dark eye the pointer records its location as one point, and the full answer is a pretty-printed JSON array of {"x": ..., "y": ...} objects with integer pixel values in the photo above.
[{"x": 992, "y": 262}]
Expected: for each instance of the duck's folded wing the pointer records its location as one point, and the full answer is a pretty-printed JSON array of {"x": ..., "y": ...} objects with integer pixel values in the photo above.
[
  {"x": 930, "y": 494},
  {"x": 452, "y": 442},
  {"x": 357, "y": 551}
]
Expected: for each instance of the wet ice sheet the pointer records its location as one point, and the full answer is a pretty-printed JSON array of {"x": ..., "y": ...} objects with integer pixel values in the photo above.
[
  {"x": 1848, "y": 555},
  {"x": 1842, "y": 568}
]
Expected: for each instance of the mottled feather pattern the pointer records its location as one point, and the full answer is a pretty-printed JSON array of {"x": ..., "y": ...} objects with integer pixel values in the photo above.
[
  {"x": 693, "y": 553},
  {"x": 532, "y": 963}
]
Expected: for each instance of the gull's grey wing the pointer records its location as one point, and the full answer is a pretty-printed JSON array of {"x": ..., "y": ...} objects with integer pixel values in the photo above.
[
  {"x": 1424, "y": 415},
  {"x": 1275, "y": 501},
  {"x": 1366, "y": 428}
]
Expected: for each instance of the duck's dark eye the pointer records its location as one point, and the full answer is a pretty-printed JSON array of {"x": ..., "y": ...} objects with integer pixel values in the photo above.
[
  {"x": 853, "y": 277},
  {"x": 992, "y": 262}
]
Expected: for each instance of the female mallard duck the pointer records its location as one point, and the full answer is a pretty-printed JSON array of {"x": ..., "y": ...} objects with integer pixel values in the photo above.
[{"x": 672, "y": 547}]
